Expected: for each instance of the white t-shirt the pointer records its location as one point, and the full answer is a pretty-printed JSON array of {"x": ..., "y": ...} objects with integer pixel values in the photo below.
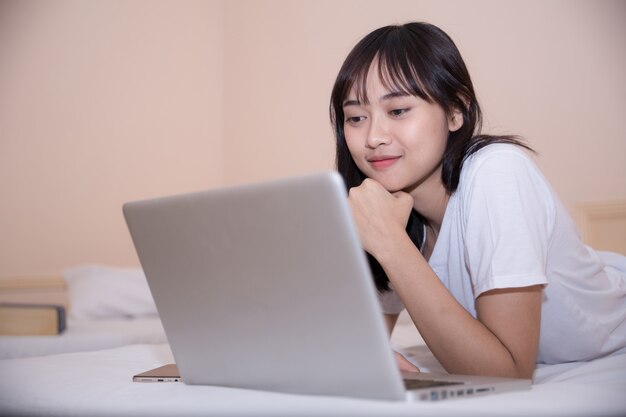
[{"x": 504, "y": 227}]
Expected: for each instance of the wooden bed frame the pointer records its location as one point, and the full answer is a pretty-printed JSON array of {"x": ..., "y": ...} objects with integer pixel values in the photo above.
[
  {"x": 603, "y": 225},
  {"x": 34, "y": 290}
]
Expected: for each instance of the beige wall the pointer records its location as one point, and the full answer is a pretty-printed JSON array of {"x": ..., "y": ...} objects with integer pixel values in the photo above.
[{"x": 103, "y": 102}]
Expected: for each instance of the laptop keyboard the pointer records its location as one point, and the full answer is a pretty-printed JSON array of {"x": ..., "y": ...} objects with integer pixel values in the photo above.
[{"x": 427, "y": 383}]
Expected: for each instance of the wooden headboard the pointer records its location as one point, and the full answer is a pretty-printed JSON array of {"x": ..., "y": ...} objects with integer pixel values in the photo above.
[
  {"x": 35, "y": 290},
  {"x": 603, "y": 225}
]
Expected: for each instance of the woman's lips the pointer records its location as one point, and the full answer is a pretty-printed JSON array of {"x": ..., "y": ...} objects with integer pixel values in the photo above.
[{"x": 383, "y": 162}]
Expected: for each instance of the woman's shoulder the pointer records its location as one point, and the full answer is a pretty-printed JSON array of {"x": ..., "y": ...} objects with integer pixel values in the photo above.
[
  {"x": 498, "y": 159},
  {"x": 499, "y": 151},
  {"x": 503, "y": 168}
]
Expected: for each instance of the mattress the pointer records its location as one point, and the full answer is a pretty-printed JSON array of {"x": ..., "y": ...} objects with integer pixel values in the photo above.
[
  {"x": 84, "y": 335},
  {"x": 100, "y": 383},
  {"x": 87, "y": 371}
]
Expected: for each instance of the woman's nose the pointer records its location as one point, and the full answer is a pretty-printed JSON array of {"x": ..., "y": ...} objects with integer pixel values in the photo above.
[{"x": 378, "y": 134}]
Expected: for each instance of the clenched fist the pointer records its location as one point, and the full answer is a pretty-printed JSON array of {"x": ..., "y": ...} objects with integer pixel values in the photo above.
[{"x": 380, "y": 216}]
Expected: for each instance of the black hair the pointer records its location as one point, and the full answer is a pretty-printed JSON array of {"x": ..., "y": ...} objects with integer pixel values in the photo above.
[{"x": 422, "y": 60}]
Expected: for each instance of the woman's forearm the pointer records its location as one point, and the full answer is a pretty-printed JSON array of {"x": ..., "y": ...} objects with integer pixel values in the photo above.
[{"x": 461, "y": 343}]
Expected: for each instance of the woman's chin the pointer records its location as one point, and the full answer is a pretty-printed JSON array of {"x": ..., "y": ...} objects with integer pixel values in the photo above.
[{"x": 391, "y": 186}]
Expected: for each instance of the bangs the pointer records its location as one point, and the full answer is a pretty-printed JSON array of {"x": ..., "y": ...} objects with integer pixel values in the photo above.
[
  {"x": 415, "y": 59},
  {"x": 394, "y": 69}
]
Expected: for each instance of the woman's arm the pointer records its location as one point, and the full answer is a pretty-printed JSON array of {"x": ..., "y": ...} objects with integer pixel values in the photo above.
[{"x": 503, "y": 341}]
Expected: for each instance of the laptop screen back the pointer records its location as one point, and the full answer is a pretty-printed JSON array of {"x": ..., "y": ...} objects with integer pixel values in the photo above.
[{"x": 266, "y": 286}]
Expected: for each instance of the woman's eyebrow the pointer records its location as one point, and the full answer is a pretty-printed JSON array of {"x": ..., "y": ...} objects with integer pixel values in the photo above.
[
  {"x": 351, "y": 102},
  {"x": 394, "y": 94},
  {"x": 388, "y": 96}
]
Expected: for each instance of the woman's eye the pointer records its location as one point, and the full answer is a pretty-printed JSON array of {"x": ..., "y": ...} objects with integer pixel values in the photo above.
[
  {"x": 354, "y": 119},
  {"x": 398, "y": 112}
]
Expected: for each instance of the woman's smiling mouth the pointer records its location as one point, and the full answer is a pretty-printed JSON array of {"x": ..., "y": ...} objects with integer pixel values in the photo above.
[{"x": 382, "y": 162}]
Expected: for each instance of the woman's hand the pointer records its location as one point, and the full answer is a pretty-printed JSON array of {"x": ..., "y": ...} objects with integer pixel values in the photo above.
[
  {"x": 379, "y": 215},
  {"x": 404, "y": 365}
]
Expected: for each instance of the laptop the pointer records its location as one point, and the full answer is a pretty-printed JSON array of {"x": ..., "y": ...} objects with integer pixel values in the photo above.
[{"x": 266, "y": 286}]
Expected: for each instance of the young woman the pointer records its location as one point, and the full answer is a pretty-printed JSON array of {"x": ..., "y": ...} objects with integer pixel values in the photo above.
[{"x": 461, "y": 228}]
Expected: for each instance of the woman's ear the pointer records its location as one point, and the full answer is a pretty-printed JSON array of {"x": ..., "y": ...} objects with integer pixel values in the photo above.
[
  {"x": 455, "y": 117},
  {"x": 455, "y": 120}
]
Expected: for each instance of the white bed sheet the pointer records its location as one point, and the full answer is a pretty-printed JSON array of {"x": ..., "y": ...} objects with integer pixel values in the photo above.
[
  {"x": 85, "y": 335},
  {"x": 98, "y": 383}
]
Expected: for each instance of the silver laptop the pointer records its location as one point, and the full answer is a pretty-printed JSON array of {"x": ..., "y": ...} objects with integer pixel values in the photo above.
[{"x": 267, "y": 287}]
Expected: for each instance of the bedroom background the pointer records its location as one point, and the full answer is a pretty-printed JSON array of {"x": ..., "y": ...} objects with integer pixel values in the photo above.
[{"x": 102, "y": 102}]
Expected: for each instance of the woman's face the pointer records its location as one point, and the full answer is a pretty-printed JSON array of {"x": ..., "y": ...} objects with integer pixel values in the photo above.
[{"x": 397, "y": 139}]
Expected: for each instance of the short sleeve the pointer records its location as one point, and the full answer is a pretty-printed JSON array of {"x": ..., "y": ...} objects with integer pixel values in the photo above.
[{"x": 509, "y": 216}]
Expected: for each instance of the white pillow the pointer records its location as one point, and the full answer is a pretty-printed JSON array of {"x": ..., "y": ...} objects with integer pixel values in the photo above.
[{"x": 98, "y": 292}]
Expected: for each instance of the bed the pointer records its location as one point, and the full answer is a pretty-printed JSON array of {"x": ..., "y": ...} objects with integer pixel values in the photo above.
[
  {"x": 107, "y": 307},
  {"x": 98, "y": 383},
  {"x": 113, "y": 333},
  {"x": 85, "y": 335}
]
